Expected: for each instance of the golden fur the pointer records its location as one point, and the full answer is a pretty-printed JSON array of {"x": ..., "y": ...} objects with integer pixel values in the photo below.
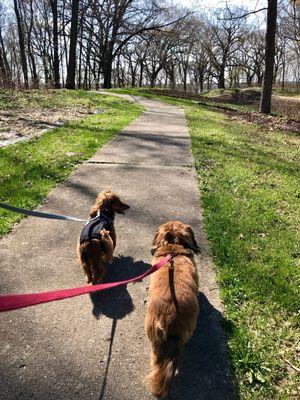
[
  {"x": 95, "y": 255},
  {"x": 173, "y": 302}
]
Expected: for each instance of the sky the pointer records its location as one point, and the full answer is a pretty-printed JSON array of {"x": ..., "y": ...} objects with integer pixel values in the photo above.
[
  {"x": 220, "y": 3},
  {"x": 210, "y": 4}
]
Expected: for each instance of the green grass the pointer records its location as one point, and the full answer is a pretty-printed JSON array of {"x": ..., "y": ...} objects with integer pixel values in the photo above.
[
  {"x": 46, "y": 99},
  {"x": 250, "y": 195},
  {"x": 29, "y": 170},
  {"x": 250, "y": 191}
]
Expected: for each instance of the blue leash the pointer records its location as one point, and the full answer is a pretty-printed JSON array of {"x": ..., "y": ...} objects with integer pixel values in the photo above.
[{"x": 40, "y": 214}]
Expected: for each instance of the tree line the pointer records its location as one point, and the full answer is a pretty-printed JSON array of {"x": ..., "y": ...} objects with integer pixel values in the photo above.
[{"x": 93, "y": 43}]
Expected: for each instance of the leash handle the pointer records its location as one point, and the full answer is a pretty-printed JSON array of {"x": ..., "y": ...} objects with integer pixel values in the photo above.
[
  {"x": 16, "y": 301},
  {"x": 40, "y": 214}
]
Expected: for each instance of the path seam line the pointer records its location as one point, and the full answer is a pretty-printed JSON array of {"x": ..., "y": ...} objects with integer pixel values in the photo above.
[{"x": 137, "y": 164}]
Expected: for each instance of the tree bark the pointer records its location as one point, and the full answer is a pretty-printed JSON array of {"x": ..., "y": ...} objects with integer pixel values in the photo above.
[
  {"x": 81, "y": 30},
  {"x": 5, "y": 73},
  {"x": 266, "y": 94},
  {"x": 107, "y": 69},
  {"x": 70, "y": 82},
  {"x": 53, "y": 4},
  {"x": 221, "y": 78},
  {"x": 21, "y": 43},
  {"x": 141, "y": 73}
]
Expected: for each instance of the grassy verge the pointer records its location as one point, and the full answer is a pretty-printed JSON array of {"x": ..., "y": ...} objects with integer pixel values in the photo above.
[
  {"x": 250, "y": 194},
  {"x": 29, "y": 170},
  {"x": 249, "y": 183}
]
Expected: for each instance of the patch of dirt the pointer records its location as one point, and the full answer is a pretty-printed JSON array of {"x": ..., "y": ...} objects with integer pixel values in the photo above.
[
  {"x": 287, "y": 106},
  {"x": 19, "y": 125},
  {"x": 242, "y": 97},
  {"x": 268, "y": 121}
]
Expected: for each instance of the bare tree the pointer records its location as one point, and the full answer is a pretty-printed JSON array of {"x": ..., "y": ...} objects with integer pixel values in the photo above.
[
  {"x": 137, "y": 42},
  {"x": 5, "y": 71},
  {"x": 70, "y": 83},
  {"x": 21, "y": 41},
  {"x": 227, "y": 35},
  {"x": 265, "y": 101},
  {"x": 53, "y": 4}
]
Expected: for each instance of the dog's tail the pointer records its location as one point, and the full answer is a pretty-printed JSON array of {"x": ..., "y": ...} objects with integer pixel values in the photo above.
[{"x": 165, "y": 359}]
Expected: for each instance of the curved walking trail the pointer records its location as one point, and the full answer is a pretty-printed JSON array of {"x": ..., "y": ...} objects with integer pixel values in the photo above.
[{"x": 94, "y": 347}]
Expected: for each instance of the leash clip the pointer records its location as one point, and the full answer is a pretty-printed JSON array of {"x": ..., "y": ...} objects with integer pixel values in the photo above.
[{"x": 171, "y": 261}]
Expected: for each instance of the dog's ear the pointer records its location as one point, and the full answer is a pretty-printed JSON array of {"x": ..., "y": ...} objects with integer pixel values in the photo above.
[
  {"x": 194, "y": 245},
  {"x": 155, "y": 242},
  {"x": 170, "y": 237},
  {"x": 188, "y": 240},
  {"x": 102, "y": 201},
  {"x": 93, "y": 211},
  {"x": 100, "y": 204}
]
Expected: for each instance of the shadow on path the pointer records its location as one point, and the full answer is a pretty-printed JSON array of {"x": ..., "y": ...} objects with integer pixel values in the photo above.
[
  {"x": 116, "y": 303},
  {"x": 205, "y": 372}
]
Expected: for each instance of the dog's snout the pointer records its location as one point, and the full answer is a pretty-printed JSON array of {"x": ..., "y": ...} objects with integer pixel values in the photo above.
[{"x": 126, "y": 206}]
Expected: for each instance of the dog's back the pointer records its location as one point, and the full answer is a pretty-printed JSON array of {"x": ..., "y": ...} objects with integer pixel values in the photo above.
[
  {"x": 94, "y": 255},
  {"x": 171, "y": 319}
]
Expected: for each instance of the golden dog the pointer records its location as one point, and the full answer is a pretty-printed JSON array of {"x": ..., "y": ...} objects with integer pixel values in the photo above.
[
  {"x": 173, "y": 302},
  {"x": 98, "y": 237}
]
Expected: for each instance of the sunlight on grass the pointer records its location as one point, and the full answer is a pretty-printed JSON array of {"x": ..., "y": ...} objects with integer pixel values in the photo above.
[
  {"x": 47, "y": 98},
  {"x": 249, "y": 181}
]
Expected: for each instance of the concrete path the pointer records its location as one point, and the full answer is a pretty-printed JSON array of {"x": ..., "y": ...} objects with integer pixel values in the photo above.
[{"x": 94, "y": 347}]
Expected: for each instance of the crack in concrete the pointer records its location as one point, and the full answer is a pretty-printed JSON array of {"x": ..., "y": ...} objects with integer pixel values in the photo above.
[{"x": 139, "y": 164}]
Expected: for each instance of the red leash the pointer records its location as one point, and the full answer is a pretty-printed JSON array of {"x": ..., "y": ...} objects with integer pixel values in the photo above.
[{"x": 15, "y": 301}]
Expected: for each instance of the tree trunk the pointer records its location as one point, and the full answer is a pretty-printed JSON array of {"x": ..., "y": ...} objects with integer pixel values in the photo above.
[
  {"x": 133, "y": 78},
  {"x": 21, "y": 44},
  {"x": 46, "y": 71},
  {"x": 107, "y": 69},
  {"x": 141, "y": 73},
  {"x": 6, "y": 64},
  {"x": 172, "y": 80},
  {"x": 283, "y": 75},
  {"x": 201, "y": 81},
  {"x": 5, "y": 72},
  {"x": 80, "y": 54},
  {"x": 152, "y": 80},
  {"x": 184, "y": 80},
  {"x": 70, "y": 83},
  {"x": 53, "y": 4},
  {"x": 249, "y": 78},
  {"x": 34, "y": 76},
  {"x": 266, "y": 94},
  {"x": 221, "y": 78}
]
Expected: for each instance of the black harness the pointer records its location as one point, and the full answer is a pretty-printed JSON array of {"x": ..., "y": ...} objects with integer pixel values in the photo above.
[{"x": 92, "y": 228}]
